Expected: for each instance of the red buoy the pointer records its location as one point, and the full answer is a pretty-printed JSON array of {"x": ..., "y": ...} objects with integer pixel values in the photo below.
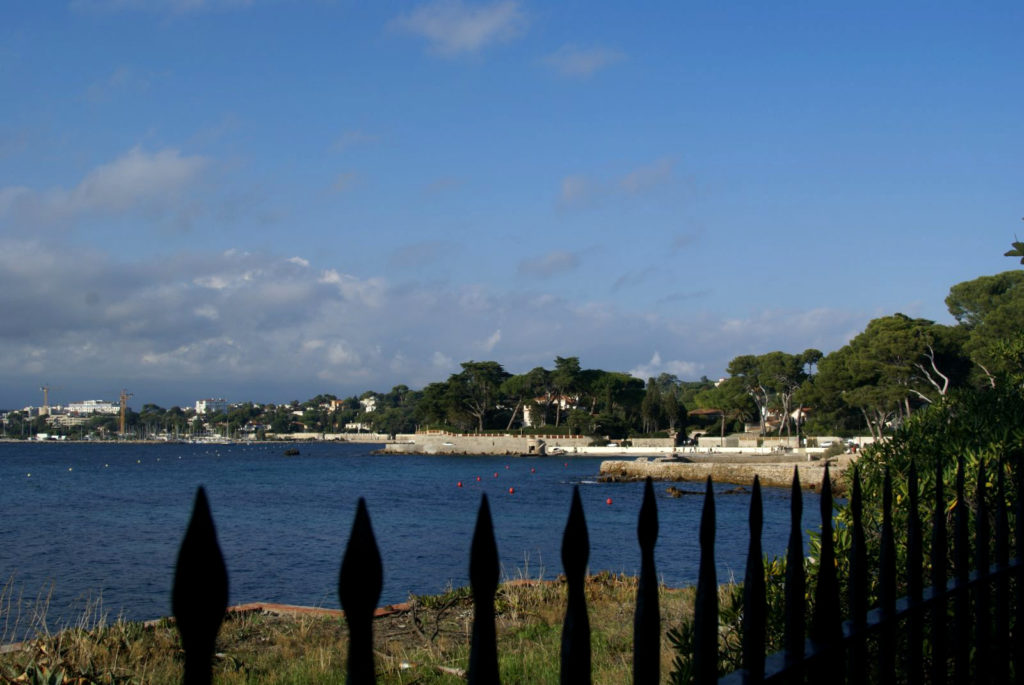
[
  {"x": 495, "y": 474},
  {"x": 459, "y": 483},
  {"x": 478, "y": 479},
  {"x": 566, "y": 464},
  {"x": 533, "y": 470},
  {"x": 511, "y": 491},
  {"x": 608, "y": 501},
  {"x": 507, "y": 467}
]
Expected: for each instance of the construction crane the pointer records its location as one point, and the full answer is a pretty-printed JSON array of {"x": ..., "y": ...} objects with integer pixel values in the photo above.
[{"x": 124, "y": 408}]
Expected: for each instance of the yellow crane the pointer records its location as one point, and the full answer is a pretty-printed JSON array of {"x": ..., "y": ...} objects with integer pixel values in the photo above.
[{"x": 124, "y": 408}]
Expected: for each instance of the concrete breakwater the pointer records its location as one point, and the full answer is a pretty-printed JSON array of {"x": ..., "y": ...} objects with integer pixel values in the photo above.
[{"x": 773, "y": 474}]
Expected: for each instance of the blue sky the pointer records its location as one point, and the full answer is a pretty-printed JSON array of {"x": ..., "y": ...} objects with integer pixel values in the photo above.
[{"x": 269, "y": 200}]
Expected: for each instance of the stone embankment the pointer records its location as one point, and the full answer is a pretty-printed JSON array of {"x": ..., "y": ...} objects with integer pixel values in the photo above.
[{"x": 724, "y": 471}]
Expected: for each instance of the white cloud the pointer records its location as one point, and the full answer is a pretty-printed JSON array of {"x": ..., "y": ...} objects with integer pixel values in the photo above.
[
  {"x": 342, "y": 354},
  {"x": 656, "y": 367},
  {"x": 299, "y": 260},
  {"x": 281, "y": 330},
  {"x": 207, "y": 311},
  {"x": 353, "y": 138},
  {"x": 442, "y": 361},
  {"x": 154, "y": 182},
  {"x": 647, "y": 177},
  {"x": 550, "y": 264},
  {"x": 494, "y": 339},
  {"x": 579, "y": 190},
  {"x": 212, "y": 282},
  {"x": 345, "y": 181},
  {"x": 453, "y": 27},
  {"x": 573, "y": 61},
  {"x": 369, "y": 292},
  {"x": 576, "y": 189},
  {"x": 122, "y": 79}
]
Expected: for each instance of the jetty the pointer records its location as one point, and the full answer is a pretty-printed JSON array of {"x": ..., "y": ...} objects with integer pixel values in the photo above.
[{"x": 727, "y": 469}]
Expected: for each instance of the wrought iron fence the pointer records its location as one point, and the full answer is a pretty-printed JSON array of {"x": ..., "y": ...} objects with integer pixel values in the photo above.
[{"x": 963, "y": 628}]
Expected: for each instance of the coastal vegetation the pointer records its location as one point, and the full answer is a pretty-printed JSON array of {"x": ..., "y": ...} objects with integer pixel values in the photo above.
[{"x": 424, "y": 642}]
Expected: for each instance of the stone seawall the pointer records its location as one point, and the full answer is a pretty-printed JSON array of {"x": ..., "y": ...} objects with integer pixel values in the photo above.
[
  {"x": 429, "y": 443},
  {"x": 780, "y": 475}
]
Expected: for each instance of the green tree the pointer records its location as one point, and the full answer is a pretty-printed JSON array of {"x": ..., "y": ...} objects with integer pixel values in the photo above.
[
  {"x": 566, "y": 380},
  {"x": 990, "y": 310},
  {"x": 522, "y": 389},
  {"x": 651, "y": 408},
  {"x": 731, "y": 399},
  {"x": 746, "y": 369},
  {"x": 477, "y": 388}
]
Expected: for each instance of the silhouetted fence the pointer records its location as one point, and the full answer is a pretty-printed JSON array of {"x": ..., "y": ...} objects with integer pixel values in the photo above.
[{"x": 960, "y": 629}]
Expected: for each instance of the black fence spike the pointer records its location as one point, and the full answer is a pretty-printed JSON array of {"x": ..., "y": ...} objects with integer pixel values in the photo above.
[
  {"x": 199, "y": 597},
  {"x": 887, "y": 581},
  {"x": 705, "y": 611},
  {"x": 962, "y": 569},
  {"x": 915, "y": 623},
  {"x": 826, "y": 627},
  {"x": 982, "y": 597},
  {"x": 359, "y": 586},
  {"x": 754, "y": 593},
  {"x": 647, "y": 617},
  {"x": 576, "y": 628},
  {"x": 939, "y": 576},
  {"x": 484, "y": 574},
  {"x": 858, "y": 582},
  {"x": 796, "y": 584},
  {"x": 1017, "y": 645},
  {"x": 1000, "y": 645}
]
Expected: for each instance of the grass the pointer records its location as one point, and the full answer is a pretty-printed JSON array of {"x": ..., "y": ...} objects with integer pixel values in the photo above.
[{"x": 428, "y": 643}]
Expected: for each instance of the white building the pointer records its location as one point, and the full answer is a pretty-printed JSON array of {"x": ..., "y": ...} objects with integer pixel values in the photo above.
[
  {"x": 93, "y": 407},
  {"x": 211, "y": 406}
]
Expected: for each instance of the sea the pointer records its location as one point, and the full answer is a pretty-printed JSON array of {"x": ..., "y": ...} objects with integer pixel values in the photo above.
[{"x": 85, "y": 525}]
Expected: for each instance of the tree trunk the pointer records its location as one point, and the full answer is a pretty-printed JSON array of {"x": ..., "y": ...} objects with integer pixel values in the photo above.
[
  {"x": 867, "y": 420},
  {"x": 513, "y": 417}
]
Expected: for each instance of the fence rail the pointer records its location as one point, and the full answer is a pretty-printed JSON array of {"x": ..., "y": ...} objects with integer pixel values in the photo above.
[{"x": 873, "y": 644}]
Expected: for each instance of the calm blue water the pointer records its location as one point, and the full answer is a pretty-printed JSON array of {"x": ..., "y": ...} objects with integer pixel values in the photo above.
[{"x": 106, "y": 520}]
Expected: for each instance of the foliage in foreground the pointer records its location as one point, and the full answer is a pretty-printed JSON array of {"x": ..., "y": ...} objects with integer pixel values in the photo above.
[
  {"x": 980, "y": 426},
  {"x": 427, "y": 644}
]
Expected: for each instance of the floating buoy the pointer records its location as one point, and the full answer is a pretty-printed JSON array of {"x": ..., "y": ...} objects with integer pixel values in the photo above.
[
  {"x": 138, "y": 461},
  {"x": 107, "y": 466},
  {"x": 566, "y": 464},
  {"x": 495, "y": 474},
  {"x": 507, "y": 467},
  {"x": 459, "y": 484},
  {"x": 608, "y": 501},
  {"x": 28, "y": 475},
  {"x": 511, "y": 491},
  {"x": 69, "y": 468},
  {"x": 478, "y": 479},
  {"x": 533, "y": 470}
]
